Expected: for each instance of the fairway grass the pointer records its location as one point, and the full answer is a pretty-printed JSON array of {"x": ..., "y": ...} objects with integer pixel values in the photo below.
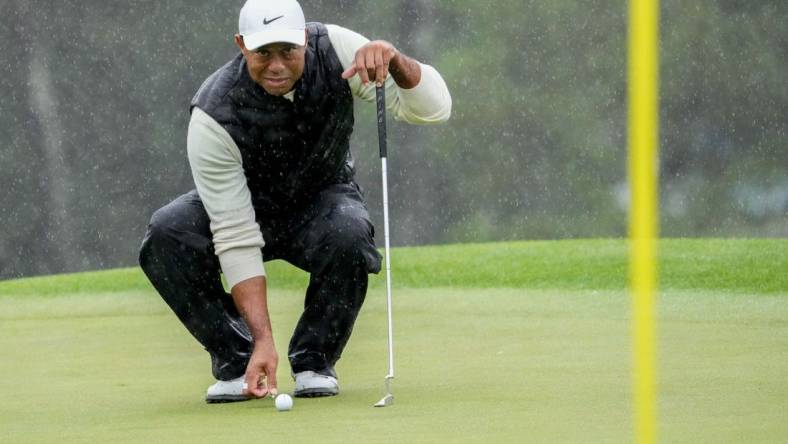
[{"x": 480, "y": 363}]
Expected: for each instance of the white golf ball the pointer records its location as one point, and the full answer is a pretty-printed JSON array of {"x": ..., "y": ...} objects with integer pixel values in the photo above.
[{"x": 283, "y": 402}]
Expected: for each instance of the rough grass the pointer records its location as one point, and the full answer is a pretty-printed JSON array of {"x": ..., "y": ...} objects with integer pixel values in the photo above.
[{"x": 536, "y": 349}]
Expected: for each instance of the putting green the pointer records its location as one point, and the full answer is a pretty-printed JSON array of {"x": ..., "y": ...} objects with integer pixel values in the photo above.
[
  {"x": 492, "y": 365},
  {"x": 474, "y": 363}
]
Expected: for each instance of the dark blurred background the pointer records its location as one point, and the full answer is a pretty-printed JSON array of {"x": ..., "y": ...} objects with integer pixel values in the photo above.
[{"x": 94, "y": 102}]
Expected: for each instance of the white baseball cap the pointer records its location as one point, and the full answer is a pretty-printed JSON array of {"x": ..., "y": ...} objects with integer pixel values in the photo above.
[{"x": 269, "y": 21}]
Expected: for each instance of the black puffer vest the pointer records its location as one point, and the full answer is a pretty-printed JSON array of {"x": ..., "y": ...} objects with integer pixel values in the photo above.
[{"x": 290, "y": 150}]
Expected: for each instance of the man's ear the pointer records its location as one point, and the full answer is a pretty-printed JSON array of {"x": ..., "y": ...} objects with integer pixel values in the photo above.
[{"x": 239, "y": 41}]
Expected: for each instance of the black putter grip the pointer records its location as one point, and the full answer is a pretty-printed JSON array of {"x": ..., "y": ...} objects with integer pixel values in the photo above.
[{"x": 380, "y": 92}]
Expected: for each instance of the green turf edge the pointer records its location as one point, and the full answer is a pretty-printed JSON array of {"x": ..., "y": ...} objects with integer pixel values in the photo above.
[{"x": 731, "y": 265}]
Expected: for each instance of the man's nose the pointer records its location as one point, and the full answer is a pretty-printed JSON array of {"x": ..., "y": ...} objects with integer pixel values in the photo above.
[{"x": 275, "y": 64}]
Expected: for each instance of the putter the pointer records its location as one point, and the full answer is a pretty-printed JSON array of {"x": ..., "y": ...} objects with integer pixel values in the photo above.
[{"x": 381, "y": 102}]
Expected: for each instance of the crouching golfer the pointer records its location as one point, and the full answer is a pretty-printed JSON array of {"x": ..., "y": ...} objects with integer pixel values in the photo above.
[{"x": 268, "y": 145}]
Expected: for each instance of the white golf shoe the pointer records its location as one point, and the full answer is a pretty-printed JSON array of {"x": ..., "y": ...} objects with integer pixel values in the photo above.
[
  {"x": 227, "y": 391},
  {"x": 309, "y": 384}
]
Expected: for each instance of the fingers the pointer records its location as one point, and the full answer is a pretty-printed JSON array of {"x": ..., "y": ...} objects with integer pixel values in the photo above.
[
  {"x": 361, "y": 66},
  {"x": 371, "y": 63},
  {"x": 261, "y": 379},
  {"x": 381, "y": 68},
  {"x": 271, "y": 372},
  {"x": 369, "y": 60},
  {"x": 350, "y": 72},
  {"x": 253, "y": 386}
]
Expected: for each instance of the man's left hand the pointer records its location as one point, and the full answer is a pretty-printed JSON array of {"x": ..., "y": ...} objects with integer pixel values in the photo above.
[{"x": 372, "y": 62}]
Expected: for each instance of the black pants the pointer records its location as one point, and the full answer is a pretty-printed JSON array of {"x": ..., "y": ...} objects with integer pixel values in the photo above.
[{"x": 331, "y": 238}]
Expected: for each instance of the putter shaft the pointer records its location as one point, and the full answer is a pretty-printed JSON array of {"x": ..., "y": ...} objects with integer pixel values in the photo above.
[{"x": 381, "y": 117}]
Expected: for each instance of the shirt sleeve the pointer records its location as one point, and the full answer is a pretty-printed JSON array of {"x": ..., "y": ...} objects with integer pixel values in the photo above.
[
  {"x": 217, "y": 168},
  {"x": 429, "y": 102}
]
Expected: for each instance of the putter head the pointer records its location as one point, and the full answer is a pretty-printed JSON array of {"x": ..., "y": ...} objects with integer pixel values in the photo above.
[
  {"x": 389, "y": 398},
  {"x": 386, "y": 401}
]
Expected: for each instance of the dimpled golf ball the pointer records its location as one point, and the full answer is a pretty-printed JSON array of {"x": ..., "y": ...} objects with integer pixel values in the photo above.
[{"x": 283, "y": 402}]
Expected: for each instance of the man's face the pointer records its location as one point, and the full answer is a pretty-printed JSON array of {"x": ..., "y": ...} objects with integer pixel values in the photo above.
[{"x": 276, "y": 67}]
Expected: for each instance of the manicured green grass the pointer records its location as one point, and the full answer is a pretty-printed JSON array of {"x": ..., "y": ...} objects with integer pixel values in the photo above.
[
  {"x": 746, "y": 265},
  {"x": 536, "y": 348}
]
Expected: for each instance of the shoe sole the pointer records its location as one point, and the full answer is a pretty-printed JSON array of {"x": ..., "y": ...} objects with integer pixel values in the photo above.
[
  {"x": 223, "y": 399},
  {"x": 315, "y": 393}
]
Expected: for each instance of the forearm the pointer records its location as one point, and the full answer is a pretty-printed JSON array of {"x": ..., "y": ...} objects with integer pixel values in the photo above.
[
  {"x": 250, "y": 297},
  {"x": 415, "y": 93},
  {"x": 251, "y": 300},
  {"x": 405, "y": 71}
]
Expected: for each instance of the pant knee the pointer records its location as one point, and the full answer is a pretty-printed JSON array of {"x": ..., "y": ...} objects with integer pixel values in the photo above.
[
  {"x": 153, "y": 235},
  {"x": 182, "y": 224},
  {"x": 353, "y": 245},
  {"x": 155, "y": 230},
  {"x": 172, "y": 232}
]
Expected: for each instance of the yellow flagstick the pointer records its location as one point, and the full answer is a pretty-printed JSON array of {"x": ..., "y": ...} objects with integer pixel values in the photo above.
[{"x": 643, "y": 155}]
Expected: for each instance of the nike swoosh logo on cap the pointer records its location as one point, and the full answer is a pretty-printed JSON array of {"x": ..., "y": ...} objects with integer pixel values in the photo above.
[{"x": 267, "y": 22}]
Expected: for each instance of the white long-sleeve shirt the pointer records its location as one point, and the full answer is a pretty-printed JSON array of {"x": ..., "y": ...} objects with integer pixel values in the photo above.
[{"x": 218, "y": 172}]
